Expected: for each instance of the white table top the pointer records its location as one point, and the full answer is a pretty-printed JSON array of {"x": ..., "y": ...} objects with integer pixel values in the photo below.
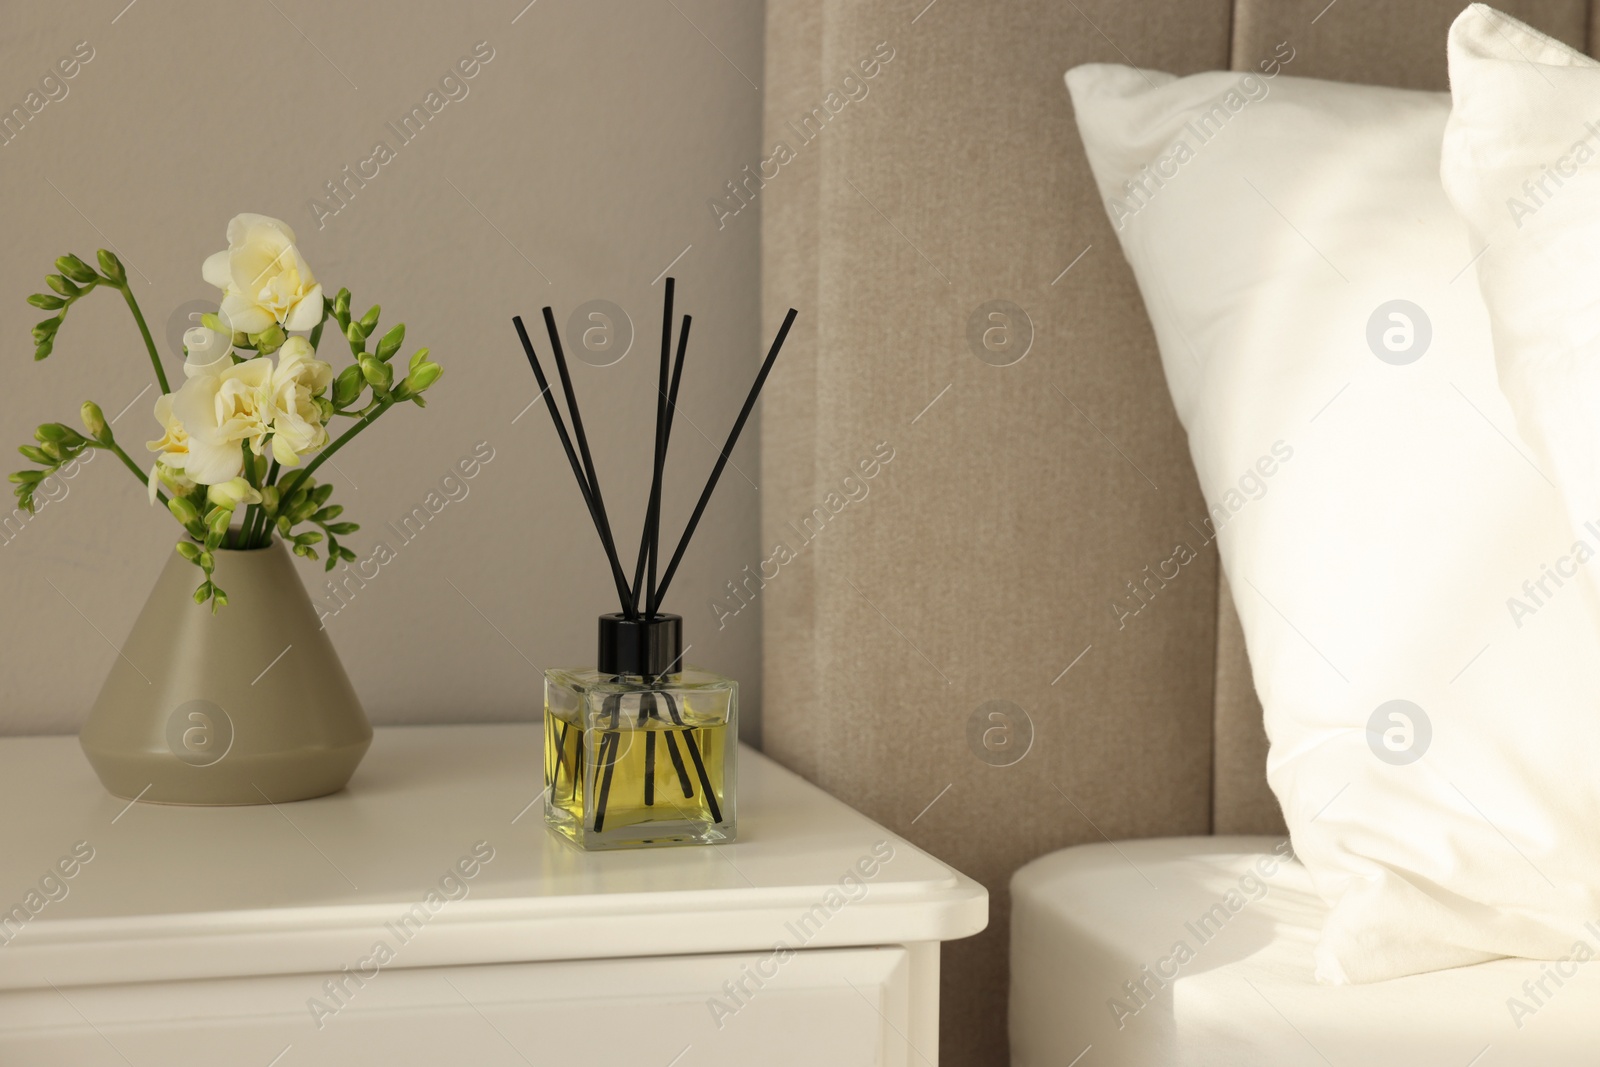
[{"x": 178, "y": 892}]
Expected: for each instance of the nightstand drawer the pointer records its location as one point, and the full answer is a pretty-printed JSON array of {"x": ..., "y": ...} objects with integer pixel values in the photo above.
[{"x": 841, "y": 1007}]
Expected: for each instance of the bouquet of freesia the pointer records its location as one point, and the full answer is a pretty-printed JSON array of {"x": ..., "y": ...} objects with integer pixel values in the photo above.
[{"x": 248, "y": 425}]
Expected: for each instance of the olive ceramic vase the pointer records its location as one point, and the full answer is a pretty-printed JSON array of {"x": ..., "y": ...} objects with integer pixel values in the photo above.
[{"x": 247, "y": 706}]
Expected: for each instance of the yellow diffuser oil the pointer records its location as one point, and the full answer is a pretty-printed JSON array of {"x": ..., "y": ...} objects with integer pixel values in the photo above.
[{"x": 632, "y": 762}]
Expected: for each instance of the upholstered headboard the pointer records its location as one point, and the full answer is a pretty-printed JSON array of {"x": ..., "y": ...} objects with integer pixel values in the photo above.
[{"x": 929, "y": 178}]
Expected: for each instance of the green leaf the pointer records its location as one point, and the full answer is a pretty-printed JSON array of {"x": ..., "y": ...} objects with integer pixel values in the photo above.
[{"x": 46, "y": 302}]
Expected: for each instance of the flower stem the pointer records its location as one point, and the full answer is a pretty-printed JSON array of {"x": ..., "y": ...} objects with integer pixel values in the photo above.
[
  {"x": 340, "y": 442},
  {"x": 132, "y": 466},
  {"x": 259, "y": 532},
  {"x": 150, "y": 345}
]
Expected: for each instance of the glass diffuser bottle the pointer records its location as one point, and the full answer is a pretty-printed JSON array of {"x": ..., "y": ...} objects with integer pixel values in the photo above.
[{"x": 638, "y": 750}]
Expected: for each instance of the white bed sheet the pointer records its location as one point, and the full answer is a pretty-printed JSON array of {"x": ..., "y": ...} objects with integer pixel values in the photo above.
[{"x": 1087, "y": 920}]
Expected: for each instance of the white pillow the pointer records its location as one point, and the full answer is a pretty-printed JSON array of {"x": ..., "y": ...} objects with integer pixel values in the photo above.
[
  {"x": 1376, "y": 561},
  {"x": 1522, "y": 166}
]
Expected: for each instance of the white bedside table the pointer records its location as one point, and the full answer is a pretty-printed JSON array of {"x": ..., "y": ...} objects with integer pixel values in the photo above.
[{"x": 306, "y": 934}]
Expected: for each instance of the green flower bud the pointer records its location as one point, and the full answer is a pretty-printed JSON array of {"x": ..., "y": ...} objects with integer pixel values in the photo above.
[
  {"x": 283, "y": 525},
  {"x": 61, "y": 285},
  {"x": 76, "y": 269},
  {"x": 94, "y": 420},
  {"x": 329, "y": 513},
  {"x": 378, "y": 375},
  {"x": 203, "y": 593},
  {"x": 340, "y": 529},
  {"x": 219, "y": 599},
  {"x": 57, "y": 431},
  {"x": 46, "y": 302},
  {"x": 353, "y": 334},
  {"x": 35, "y": 454},
  {"x": 26, "y": 477},
  {"x": 183, "y": 510},
  {"x": 189, "y": 551},
  {"x": 310, "y": 537},
  {"x": 269, "y": 340},
  {"x": 341, "y": 307},
  {"x": 348, "y": 385},
  {"x": 215, "y": 324},
  {"x": 111, "y": 267},
  {"x": 46, "y": 330},
  {"x": 320, "y": 495},
  {"x": 269, "y": 499},
  {"x": 390, "y": 342},
  {"x": 208, "y": 561},
  {"x": 217, "y": 520},
  {"x": 369, "y": 321},
  {"x": 43, "y": 350},
  {"x": 423, "y": 376}
]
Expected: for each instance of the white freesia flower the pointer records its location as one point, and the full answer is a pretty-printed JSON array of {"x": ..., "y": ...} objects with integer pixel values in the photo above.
[
  {"x": 263, "y": 278},
  {"x": 296, "y": 419},
  {"x": 172, "y": 447},
  {"x": 218, "y": 411},
  {"x": 233, "y": 492}
]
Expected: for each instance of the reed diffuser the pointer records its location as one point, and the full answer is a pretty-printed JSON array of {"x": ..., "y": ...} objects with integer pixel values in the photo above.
[{"x": 640, "y": 750}]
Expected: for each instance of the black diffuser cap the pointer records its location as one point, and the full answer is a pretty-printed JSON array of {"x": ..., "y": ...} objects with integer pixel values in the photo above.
[{"x": 650, "y": 647}]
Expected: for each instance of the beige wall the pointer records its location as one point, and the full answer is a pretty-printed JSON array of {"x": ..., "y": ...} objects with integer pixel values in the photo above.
[{"x": 577, "y": 166}]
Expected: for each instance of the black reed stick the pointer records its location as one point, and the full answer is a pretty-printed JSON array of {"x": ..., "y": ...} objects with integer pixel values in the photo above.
[
  {"x": 722, "y": 460},
  {"x": 646, "y": 539},
  {"x": 588, "y": 462},
  {"x": 577, "y": 468},
  {"x": 653, "y": 601}
]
